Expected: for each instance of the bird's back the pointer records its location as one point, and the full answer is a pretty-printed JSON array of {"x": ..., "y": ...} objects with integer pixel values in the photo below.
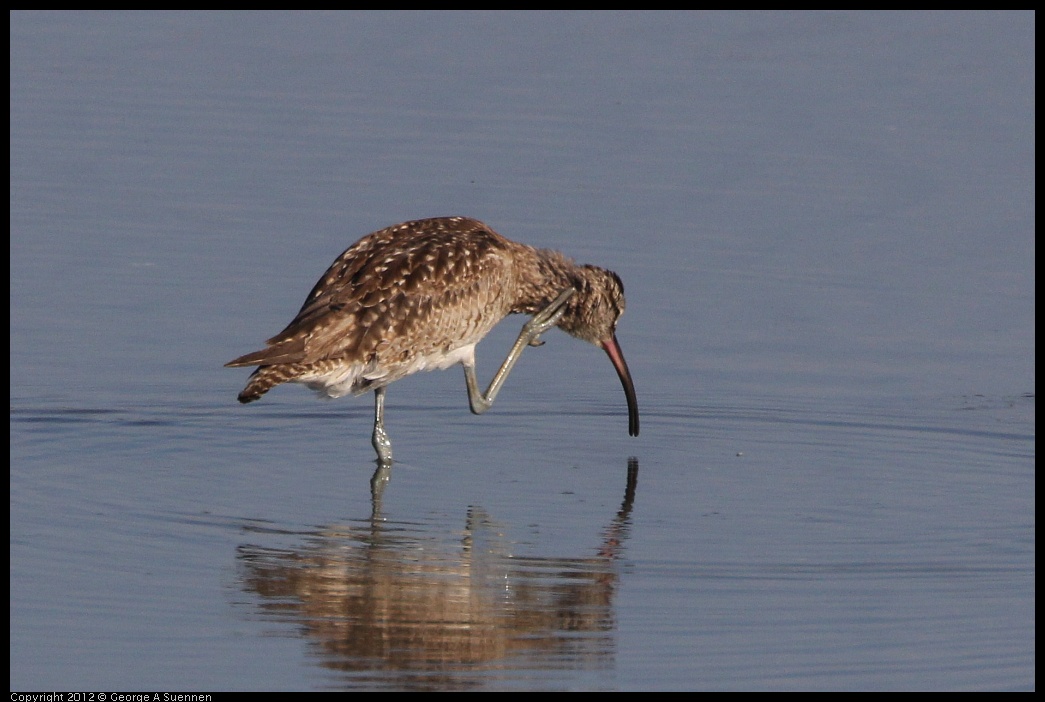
[{"x": 402, "y": 299}]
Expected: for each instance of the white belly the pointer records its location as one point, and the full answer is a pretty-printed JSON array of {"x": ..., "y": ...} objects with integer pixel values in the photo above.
[{"x": 357, "y": 378}]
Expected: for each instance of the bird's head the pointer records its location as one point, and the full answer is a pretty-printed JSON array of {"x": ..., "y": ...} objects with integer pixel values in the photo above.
[{"x": 591, "y": 314}]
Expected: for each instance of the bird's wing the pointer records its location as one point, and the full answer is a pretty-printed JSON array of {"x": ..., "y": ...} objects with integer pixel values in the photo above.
[{"x": 398, "y": 291}]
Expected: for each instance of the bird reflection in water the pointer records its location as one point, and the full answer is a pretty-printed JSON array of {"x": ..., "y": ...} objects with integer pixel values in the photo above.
[{"x": 395, "y": 605}]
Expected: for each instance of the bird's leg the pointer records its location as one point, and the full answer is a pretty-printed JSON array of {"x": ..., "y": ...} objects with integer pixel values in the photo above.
[
  {"x": 529, "y": 336},
  {"x": 378, "y": 481},
  {"x": 382, "y": 444}
]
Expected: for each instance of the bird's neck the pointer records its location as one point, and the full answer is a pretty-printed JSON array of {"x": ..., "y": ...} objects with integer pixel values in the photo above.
[{"x": 541, "y": 275}]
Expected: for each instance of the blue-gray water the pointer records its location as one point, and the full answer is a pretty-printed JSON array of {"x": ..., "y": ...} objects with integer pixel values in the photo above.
[{"x": 825, "y": 227}]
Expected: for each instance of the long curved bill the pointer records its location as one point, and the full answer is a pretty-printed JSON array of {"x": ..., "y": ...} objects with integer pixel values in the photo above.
[{"x": 612, "y": 349}]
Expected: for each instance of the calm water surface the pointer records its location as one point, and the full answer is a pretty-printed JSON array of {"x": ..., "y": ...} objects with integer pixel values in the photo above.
[{"x": 825, "y": 226}]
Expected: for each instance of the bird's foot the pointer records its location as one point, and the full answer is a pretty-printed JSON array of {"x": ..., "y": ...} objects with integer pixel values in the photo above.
[{"x": 547, "y": 318}]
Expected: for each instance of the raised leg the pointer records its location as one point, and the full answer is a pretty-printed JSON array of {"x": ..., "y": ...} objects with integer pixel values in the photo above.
[
  {"x": 382, "y": 444},
  {"x": 529, "y": 336}
]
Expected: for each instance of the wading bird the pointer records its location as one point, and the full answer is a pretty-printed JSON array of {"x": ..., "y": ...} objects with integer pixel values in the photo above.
[{"x": 419, "y": 296}]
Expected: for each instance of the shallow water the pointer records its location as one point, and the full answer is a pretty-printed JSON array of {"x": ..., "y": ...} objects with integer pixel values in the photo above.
[{"x": 825, "y": 227}]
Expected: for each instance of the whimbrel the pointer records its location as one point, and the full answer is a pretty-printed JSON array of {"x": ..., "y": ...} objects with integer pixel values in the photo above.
[{"x": 419, "y": 296}]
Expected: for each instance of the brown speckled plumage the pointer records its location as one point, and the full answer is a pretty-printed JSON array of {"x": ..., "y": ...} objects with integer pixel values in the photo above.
[{"x": 419, "y": 296}]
